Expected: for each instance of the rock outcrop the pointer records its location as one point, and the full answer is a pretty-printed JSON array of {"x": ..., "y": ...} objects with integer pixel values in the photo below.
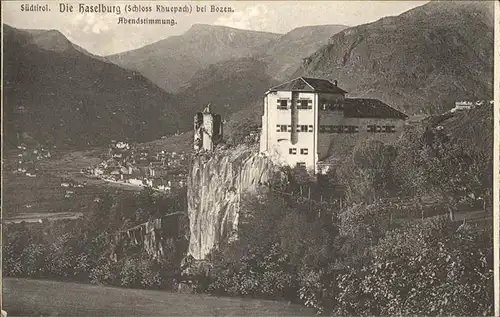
[{"x": 216, "y": 183}]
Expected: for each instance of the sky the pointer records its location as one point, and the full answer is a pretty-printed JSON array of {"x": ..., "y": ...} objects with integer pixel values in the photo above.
[{"x": 100, "y": 33}]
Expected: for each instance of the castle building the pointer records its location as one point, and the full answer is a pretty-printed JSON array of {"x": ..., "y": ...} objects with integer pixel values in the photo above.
[
  {"x": 308, "y": 120},
  {"x": 207, "y": 130}
]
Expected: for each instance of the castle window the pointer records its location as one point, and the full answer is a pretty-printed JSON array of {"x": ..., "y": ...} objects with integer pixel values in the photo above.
[
  {"x": 304, "y": 104},
  {"x": 301, "y": 164},
  {"x": 283, "y": 104},
  {"x": 382, "y": 129},
  {"x": 281, "y": 128},
  {"x": 310, "y": 128},
  {"x": 326, "y": 129},
  {"x": 337, "y": 128},
  {"x": 390, "y": 128},
  {"x": 302, "y": 128},
  {"x": 351, "y": 129},
  {"x": 292, "y": 151},
  {"x": 304, "y": 151}
]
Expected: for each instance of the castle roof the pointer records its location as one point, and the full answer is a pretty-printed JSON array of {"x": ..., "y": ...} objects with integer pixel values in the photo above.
[
  {"x": 364, "y": 108},
  {"x": 306, "y": 84}
]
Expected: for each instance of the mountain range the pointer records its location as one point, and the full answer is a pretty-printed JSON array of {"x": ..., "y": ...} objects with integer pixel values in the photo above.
[
  {"x": 420, "y": 62},
  {"x": 60, "y": 94},
  {"x": 171, "y": 62}
]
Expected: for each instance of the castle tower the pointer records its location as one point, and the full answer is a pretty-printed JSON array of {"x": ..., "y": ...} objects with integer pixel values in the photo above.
[{"x": 207, "y": 130}]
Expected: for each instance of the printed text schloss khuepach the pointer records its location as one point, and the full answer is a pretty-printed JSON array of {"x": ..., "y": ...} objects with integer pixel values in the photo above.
[{"x": 188, "y": 8}]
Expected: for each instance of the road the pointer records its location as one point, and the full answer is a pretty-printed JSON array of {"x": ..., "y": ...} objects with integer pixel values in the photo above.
[
  {"x": 38, "y": 217},
  {"x": 22, "y": 297}
]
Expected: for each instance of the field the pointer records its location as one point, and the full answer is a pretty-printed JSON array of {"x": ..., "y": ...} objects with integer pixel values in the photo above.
[
  {"x": 23, "y": 297},
  {"x": 46, "y": 193}
]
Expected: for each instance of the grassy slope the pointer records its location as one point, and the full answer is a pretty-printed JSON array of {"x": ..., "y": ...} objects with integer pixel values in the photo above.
[{"x": 49, "y": 298}]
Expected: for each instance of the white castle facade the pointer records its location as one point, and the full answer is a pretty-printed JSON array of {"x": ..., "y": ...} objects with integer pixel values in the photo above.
[{"x": 308, "y": 120}]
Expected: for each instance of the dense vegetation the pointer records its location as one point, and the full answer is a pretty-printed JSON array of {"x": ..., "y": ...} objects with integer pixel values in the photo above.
[
  {"x": 385, "y": 250},
  {"x": 87, "y": 250},
  {"x": 385, "y": 246}
]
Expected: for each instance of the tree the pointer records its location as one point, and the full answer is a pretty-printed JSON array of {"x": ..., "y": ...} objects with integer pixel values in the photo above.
[
  {"x": 367, "y": 174},
  {"x": 243, "y": 124},
  {"x": 428, "y": 267}
]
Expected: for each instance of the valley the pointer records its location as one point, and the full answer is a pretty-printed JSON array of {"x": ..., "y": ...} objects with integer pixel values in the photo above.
[
  {"x": 163, "y": 84},
  {"x": 132, "y": 178},
  {"x": 56, "y": 188}
]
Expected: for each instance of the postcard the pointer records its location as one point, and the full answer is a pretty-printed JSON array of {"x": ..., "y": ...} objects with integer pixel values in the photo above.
[{"x": 260, "y": 158}]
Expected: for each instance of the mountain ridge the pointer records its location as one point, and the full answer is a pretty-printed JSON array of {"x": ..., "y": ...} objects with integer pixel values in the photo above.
[
  {"x": 412, "y": 70},
  {"x": 171, "y": 62},
  {"x": 61, "y": 96},
  {"x": 416, "y": 72}
]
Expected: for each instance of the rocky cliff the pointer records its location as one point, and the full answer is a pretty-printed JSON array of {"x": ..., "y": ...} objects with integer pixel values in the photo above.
[{"x": 216, "y": 183}]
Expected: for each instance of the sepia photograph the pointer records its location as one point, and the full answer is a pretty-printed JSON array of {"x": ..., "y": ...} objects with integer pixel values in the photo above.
[{"x": 250, "y": 158}]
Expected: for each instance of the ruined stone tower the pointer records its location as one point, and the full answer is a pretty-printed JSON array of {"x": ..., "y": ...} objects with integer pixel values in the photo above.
[{"x": 207, "y": 130}]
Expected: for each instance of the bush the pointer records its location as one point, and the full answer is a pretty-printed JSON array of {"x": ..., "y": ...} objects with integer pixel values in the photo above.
[
  {"x": 140, "y": 272},
  {"x": 455, "y": 161},
  {"x": 429, "y": 267},
  {"x": 266, "y": 274},
  {"x": 105, "y": 272},
  {"x": 361, "y": 226},
  {"x": 284, "y": 250},
  {"x": 367, "y": 174},
  {"x": 33, "y": 259},
  {"x": 85, "y": 250}
]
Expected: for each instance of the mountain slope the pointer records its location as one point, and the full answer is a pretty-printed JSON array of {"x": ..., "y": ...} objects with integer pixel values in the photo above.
[
  {"x": 421, "y": 60},
  {"x": 57, "y": 94},
  {"x": 228, "y": 86},
  {"x": 171, "y": 62},
  {"x": 285, "y": 55},
  {"x": 240, "y": 83}
]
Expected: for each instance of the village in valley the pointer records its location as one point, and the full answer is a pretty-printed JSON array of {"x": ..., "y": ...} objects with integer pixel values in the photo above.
[
  {"x": 141, "y": 167},
  {"x": 305, "y": 169}
]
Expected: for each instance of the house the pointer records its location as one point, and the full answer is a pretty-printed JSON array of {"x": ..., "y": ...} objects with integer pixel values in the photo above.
[
  {"x": 308, "y": 120},
  {"x": 463, "y": 105},
  {"x": 208, "y": 130},
  {"x": 467, "y": 104},
  {"x": 98, "y": 171},
  {"x": 157, "y": 169},
  {"x": 136, "y": 182}
]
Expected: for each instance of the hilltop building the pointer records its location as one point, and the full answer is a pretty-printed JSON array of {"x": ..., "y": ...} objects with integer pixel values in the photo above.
[
  {"x": 308, "y": 120},
  {"x": 467, "y": 104},
  {"x": 207, "y": 130}
]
